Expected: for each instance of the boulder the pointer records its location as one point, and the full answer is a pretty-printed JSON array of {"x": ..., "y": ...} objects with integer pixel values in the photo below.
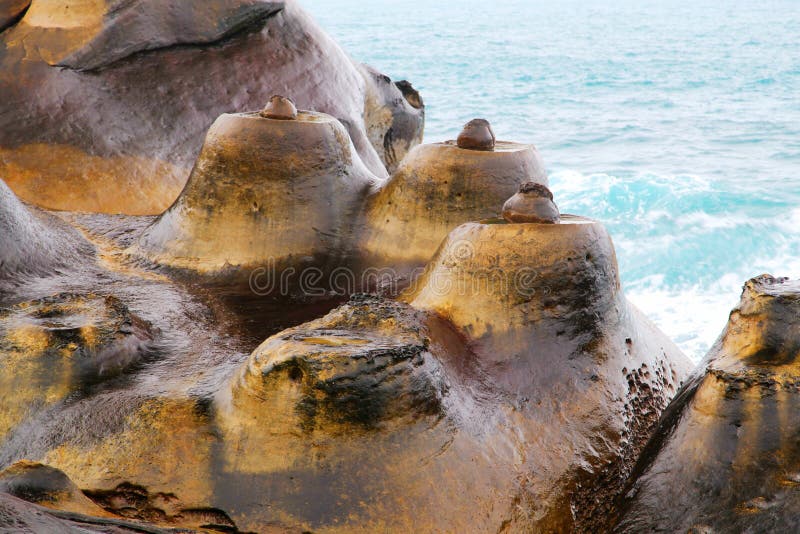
[
  {"x": 124, "y": 92},
  {"x": 725, "y": 457}
]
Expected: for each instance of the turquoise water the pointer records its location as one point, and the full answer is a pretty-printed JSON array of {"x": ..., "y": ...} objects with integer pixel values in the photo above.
[{"x": 675, "y": 123}]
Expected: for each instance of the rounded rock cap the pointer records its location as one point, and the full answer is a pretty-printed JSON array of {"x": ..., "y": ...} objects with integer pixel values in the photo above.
[
  {"x": 476, "y": 135},
  {"x": 280, "y": 108},
  {"x": 533, "y": 203}
]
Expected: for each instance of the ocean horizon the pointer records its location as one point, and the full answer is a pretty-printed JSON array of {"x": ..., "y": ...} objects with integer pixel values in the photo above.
[{"x": 682, "y": 138}]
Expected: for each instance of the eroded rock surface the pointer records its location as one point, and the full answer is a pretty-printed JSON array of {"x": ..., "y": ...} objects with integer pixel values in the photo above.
[
  {"x": 124, "y": 92},
  {"x": 33, "y": 242},
  {"x": 725, "y": 457}
]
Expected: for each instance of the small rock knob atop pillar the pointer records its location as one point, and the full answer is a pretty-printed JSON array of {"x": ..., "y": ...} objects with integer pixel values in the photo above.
[
  {"x": 532, "y": 204},
  {"x": 280, "y": 108},
  {"x": 476, "y": 135}
]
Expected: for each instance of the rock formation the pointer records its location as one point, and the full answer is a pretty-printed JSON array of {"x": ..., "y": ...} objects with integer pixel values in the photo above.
[
  {"x": 108, "y": 109},
  {"x": 437, "y": 187},
  {"x": 533, "y": 203},
  {"x": 725, "y": 457},
  {"x": 264, "y": 190},
  {"x": 271, "y": 190}
]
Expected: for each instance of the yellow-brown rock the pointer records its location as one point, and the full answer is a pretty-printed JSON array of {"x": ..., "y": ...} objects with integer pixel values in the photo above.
[
  {"x": 54, "y": 347},
  {"x": 105, "y": 103},
  {"x": 264, "y": 190},
  {"x": 540, "y": 306},
  {"x": 725, "y": 457},
  {"x": 437, "y": 187}
]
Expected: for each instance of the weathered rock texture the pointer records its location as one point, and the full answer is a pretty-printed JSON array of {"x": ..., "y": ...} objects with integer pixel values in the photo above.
[
  {"x": 264, "y": 190},
  {"x": 59, "y": 345},
  {"x": 33, "y": 241},
  {"x": 725, "y": 457},
  {"x": 105, "y": 103},
  {"x": 511, "y": 388}
]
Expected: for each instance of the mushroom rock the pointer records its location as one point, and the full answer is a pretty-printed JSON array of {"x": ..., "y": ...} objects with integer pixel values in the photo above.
[
  {"x": 541, "y": 307},
  {"x": 394, "y": 115},
  {"x": 437, "y": 187},
  {"x": 263, "y": 190},
  {"x": 98, "y": 135},
  {"x": 725, "y": 455},
  {"x": 35, "y": 242}
]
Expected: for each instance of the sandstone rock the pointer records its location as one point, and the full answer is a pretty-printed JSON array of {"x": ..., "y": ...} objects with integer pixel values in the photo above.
[
  {"x": 264, "y": 190},
  {"x": 520, "y": 407},
  {"x": 394, "y": 115},
  {"x": 35, "y": 242},
  {"x": 541, "y": 307},
  {"x": 476, "y": 135},
  {"x": 725, "y": 457},
  {"x": 56, "y": 346},
  {"x": 18, "y": 516},
  {"x": 437, "y": 187},
  {"x": 125, "y": 91}
]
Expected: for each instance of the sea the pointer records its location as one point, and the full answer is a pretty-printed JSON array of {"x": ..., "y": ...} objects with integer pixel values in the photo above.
[{"x": 675, "y": 123}]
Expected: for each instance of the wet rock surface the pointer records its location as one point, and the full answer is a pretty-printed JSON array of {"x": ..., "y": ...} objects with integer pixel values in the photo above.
[
  {"x": 108, "y": 109},
  {"x": 725, "y": 456},
  {"x": 33, "y": 242}
]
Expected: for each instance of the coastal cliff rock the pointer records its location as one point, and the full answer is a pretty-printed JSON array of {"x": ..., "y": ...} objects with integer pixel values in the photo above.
[
  {"x": 126, "y": 90},
  {"x": 437, "y": 187},
  {"x": 725, "y": 457},
  {"x": 264, "y": 190}
]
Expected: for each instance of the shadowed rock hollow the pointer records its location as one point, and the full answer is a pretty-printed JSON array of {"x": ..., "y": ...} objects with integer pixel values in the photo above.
[{"x": 108, "y": 109}]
